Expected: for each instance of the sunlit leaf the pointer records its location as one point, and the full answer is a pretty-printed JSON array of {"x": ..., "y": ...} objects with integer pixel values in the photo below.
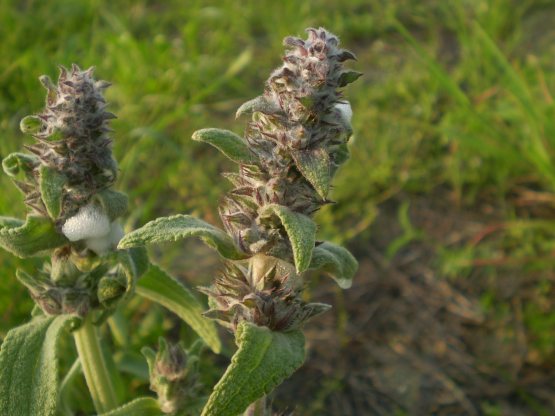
[
  {"x": 264, "y": 359},
  {"x": 337, "y": 261},
  {"x": 314, "y": 164},
  {"x": 179, "y": 227},
  {"x": 227, "y": 142},
  {"x": 51, "y": 189},
  {"x": 301, "y": 231},
  {"x": 29, "y": 238}
]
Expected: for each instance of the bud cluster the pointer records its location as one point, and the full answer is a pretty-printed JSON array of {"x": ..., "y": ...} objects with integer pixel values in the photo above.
[
  {"x": 61, "y": 287},
  {"x": 173, "y": 375},
  {"x": 272, "y": 300},
  {"x": 298, "y": 135}
]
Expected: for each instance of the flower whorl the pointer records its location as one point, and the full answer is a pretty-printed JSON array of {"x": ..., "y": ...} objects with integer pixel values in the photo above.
[
  {"x": 274, "y": 300},
  {"x": 72, "y": 140}
]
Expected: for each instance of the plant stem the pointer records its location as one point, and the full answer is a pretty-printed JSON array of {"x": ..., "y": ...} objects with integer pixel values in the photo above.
[
  {"x": 260, "y": 264},
  {"x": 94, "y": 367},
  {"x": 119, "y": 328},
  {"x": 258, "y": 408}
]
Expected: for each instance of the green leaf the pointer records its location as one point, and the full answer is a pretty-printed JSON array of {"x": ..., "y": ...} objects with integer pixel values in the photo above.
[
  {"x": 339, "y": 155},
  {"x": 10, "y": 222},
  {"x": 115, "y": 203},
  {"x": 132, "y": 363},
  {"x": 15, "y": 163},
  {"x": 337, "y": 261},
  {"x": 29, "y": 367},
  {"x": 314, "y": 164},
  {"x": 259, "y": 104},
  {"x": 37, "y": 234},
  {"x": 160, "y": 287},
  {"x": 342, "y": 154},
  {"x": 179, "y": 227},
  {"x": 50, "y": 87},
  {"x": 227, "y": 142},
  {"x": 143, "y": 406},
  {"x": 31, "y": 124},
  {"x": 66, "y": 388},
  {"x": 347, "y": 77},
  {"x": 134, "y": 261},
  {"x": 51, "y": 189},
  {"x": 301, "y": 231},
  {"x": 264, "y": 359}
]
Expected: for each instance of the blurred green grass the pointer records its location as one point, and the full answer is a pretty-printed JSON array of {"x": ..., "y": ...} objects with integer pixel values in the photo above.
[{"x": 454, "y": 94}]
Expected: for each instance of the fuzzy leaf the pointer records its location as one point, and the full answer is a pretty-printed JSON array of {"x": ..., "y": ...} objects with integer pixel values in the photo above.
[
  {"x": 30, "y": 238},
  {"x": 337, "y": 261},
  {"x": 134, "y": 364},
  {"x": 29, "y": 367},
  {"x": 342, "y": 154},
  {"x": 134, "y": 261},
  {"x": 227, "y": 142},
  {"x": 143, "y": 406},
  {"x": 259, "y": 104},
  {"x": 160, "y": 287},
  {"x": 179, "y": 227},
  {"x": 347, "y": 77},
  {"x": 10, "y": 222},
  {"x": 50, "y": 87},
  {"x": 264, "y": 359},
  {"x": 150, "y": 356},
  {"x": 115, "y": 203},
  {"x": 301, "y": 231},
  {"x": 51, "y": 189},
  {"x": 31, "y": 124},
  {"x": 15, "y": 163},
  {"x": 314, "y": 164},
  {"x": 345, "y": 55}
]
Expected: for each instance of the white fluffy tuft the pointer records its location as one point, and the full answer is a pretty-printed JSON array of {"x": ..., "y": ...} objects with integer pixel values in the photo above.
[
  {"x": 345, "y": 111},
  {"x": 102, "y": 245},
  {"x": 116, "y": 234},
  {"x": 89, "y": 222}
]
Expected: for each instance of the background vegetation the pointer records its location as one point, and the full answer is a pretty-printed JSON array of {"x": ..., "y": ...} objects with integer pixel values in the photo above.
[{"x": 454, "y": 121}]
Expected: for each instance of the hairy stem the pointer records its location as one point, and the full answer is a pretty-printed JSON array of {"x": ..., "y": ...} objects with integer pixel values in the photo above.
[
  {"x": 258, "y": 408},
  {"x": 119, "y": 328},
  {"x": 260, "y": 264},
  {"x": 94, "y": 367}
]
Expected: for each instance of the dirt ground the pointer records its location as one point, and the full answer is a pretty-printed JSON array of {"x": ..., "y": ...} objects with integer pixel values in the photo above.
[{"x": 405, "y": 340}]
